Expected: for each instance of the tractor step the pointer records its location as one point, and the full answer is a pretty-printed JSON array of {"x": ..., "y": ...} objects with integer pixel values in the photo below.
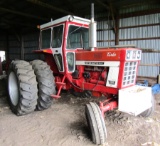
[
  {"x": 55, "y": 96},
  {"x": 60, "y": 83}
]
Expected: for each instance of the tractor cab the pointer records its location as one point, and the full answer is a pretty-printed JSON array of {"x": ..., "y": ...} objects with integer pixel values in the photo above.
[{"x": 62, "y": 38}]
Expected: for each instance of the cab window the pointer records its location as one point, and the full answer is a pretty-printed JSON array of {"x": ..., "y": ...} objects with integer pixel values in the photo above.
[
  {"x": 57, "y": 34},
  {"x": 78, "y": 37},
  {"x": 45, "y": 38}
]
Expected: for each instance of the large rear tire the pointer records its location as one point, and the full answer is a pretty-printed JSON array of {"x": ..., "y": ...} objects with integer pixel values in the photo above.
[
  {"x": 96, "y": 123},
  {"x": 22, "y": 88},
  {"x": 46, "y": 84}
]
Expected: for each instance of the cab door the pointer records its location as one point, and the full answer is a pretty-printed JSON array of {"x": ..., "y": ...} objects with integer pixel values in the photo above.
[
  {"x": 56, "y": 45},
  {"x": 77, "y": 39}
]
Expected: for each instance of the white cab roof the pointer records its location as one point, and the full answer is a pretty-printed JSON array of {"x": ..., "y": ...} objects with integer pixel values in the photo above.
[{"x": 66, "y": 18}]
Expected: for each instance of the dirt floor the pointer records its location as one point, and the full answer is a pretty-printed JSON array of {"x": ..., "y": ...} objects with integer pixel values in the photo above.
[{"x": 64, "y": 124}]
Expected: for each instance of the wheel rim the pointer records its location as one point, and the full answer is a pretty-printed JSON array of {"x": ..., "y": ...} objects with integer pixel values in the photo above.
[{"x": 13, "y": 88}]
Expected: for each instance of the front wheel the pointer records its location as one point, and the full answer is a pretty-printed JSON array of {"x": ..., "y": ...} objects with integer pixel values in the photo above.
[{"x": 96, "y": 123}]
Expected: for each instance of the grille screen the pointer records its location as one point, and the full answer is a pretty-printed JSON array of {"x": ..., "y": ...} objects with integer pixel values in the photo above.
[{"x": 129, "y": 75}]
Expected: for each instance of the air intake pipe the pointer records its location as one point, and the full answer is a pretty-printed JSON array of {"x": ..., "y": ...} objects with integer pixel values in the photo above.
[{"x": 92, "y": 30}]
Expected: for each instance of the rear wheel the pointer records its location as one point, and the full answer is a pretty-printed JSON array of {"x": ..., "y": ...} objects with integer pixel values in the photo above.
[
  {"x": 151, "y": 110},
  {"x": 46, "y": 84},
  {"x": 22, "y": 87},
  {"x": 96, "y": 123}
]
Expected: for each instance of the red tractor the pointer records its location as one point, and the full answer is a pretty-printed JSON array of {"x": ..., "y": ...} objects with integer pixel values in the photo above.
[{"x": 72, "y": 61}]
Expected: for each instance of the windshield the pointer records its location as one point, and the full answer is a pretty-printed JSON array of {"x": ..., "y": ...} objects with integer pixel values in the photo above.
[
  {"x": 57, "y": 33},
  {"x": 78, "y": 37}
]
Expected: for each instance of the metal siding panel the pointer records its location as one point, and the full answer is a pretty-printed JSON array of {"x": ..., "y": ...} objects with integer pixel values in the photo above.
[
  {"x": 30, "y": 57},
  {"x": 14, "y": 56},
  {"x": 143, "y": 44},
  {"x": 149, "y": 58},
  {"x": 30, "y": 44},
  {"x": 140, "y": 32},
  {"x": 105, "y": 34},
  {"x": 140, "y": 20},
  {"x": 143, "y": 71},
  {"x": 14, "y": 47},
  {"x": 3, "y": 41},
  {"x": 143, "y": 32}
]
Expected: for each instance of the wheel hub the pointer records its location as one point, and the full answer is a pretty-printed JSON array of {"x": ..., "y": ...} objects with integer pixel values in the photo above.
[{"x": 13, "y": 88}]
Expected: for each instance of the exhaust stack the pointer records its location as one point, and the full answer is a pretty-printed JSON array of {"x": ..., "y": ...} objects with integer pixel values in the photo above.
[{"x": 92, "y": 30}]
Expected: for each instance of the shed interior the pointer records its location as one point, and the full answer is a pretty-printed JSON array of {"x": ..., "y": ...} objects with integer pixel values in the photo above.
[{"x": 119, "y": 22}]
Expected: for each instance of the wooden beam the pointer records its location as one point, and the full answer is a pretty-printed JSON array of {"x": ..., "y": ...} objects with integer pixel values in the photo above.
[
  {"x": 149, "y": 64},
  {"x": 104, "y": 5},
  {"x": 133, "y": 26},
  {"x": 149, "y": 50},
  {"x": 131, "y": 39},
  {"x": 147, "y": 77},
  {"x": 151, "y": 80},
  {"x": 117, "y": 31},
  {"x": 18, "y": 23},
  {"x": 135, "y": 39},
  {"x": 109, "y": 8},
  {"x": 21, "y": 14},
  {"x": 7, "y": 46},
  {"x": 143, "y": 25},
  {"x": 140, "y": 13},
  {"x": 49, "y": 6}
]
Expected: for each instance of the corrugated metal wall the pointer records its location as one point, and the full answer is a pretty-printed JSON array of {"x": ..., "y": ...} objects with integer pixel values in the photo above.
[
  {"x": 3, "y": 40},
  {"x": 149, "y": 30},
  {"x": 30, "y": 43},
  {"x": 149, "y": 71},
  {"x": 142, "y": 31},
  {"x": 14, "y": 47},
  {"x": 105, "y": 33}
]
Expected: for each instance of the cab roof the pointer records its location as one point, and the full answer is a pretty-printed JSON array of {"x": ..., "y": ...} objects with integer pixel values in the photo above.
[{"x": 66, "y": 18}]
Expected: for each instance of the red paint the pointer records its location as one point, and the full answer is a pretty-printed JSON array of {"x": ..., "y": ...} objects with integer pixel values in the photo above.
[
  {"x": 96, "y": 94},
  {"x": 49, "y": 51},
  {"x": 109, "y": 106},
  {"x": 97, "y": 77},
  {"x": 51, "y": 62}
]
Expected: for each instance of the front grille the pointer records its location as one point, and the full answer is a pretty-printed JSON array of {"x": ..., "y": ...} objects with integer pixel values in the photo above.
[{"x": 129, "y": 75}]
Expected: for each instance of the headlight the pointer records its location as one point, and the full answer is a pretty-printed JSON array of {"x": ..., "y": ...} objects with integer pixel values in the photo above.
[
  {"x": 71, "y": 18},
  {"x": 139, "y": 55},
  {"x": 134, "y": 55},
  {"x": 128, "y": 54}
]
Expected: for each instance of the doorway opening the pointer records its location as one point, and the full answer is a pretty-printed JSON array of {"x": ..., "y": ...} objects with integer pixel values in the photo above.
[{"x": 3, "y": 55}]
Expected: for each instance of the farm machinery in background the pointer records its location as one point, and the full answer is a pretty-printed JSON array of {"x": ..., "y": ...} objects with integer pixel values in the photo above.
[{"x": 72, "y": 61}]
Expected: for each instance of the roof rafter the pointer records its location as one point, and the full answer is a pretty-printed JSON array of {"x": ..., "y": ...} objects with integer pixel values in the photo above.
[
  {"x": 37, "y": 2},
  {"x": 20, "y": 13}
]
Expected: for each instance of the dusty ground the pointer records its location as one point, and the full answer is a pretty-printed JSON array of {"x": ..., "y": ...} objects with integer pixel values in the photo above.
[{"x": 64, "y": 124}]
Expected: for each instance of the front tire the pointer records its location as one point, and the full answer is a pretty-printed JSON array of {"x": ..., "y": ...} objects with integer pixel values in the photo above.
[
  {"x": 96, "y": 123},
  {"x": 22, "y": 88},
  {"x": 46, "y": 84},
  {"x": 151, "y": 110}
]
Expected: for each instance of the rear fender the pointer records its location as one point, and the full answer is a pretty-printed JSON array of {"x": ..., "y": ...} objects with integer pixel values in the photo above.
[{"x": 49, "y": 59}]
